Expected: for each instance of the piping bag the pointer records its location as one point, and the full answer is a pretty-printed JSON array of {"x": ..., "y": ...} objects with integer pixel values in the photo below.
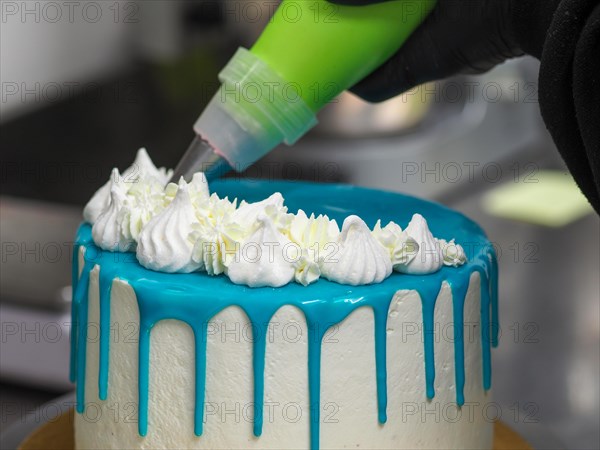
[{"x": 309, "y": 53}]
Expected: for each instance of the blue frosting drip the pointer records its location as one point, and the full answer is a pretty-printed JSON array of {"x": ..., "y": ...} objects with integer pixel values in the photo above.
[{"x": 196, "y": 298}]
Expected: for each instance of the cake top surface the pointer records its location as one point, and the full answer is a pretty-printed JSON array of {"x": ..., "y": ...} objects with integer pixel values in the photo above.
[
  {"x": 267, "y": 238},
  {"x": 338, "y": 202}
]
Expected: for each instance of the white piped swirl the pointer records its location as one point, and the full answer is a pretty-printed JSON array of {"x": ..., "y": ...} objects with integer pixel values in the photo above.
[
  {"x": 452, "y": 253},
  {"x": 401, "y": 247}
]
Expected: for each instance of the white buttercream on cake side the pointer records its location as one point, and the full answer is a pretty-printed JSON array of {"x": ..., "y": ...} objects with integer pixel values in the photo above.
[{"x": 348, "y": 381}]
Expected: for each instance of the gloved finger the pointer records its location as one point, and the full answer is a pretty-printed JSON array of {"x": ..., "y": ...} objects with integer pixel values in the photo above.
[
  {"x": 458, "y": 37},
  {"x": 417, "y": 62},
  {"x": 421, "y": 59}
]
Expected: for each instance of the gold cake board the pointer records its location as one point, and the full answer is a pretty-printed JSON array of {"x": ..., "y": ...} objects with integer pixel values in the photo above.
[{"x": 58, "y": 435}]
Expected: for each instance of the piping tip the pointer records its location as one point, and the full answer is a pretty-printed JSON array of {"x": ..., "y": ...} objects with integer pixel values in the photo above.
[{"x": 200, "y": 157}]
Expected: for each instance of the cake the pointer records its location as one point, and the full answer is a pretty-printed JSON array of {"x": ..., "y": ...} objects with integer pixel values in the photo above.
[{"x": 186, "y": 336}]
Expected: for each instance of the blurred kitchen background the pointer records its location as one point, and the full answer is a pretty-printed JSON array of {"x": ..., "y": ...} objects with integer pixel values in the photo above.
[{"x": 85, "y": 84}]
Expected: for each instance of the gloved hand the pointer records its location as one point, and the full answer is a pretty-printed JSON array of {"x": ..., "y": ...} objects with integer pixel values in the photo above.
[{"x": 460, "y": 36}]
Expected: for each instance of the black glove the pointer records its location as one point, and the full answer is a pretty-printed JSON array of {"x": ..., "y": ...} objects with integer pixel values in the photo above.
[
  {"x": 460, "y": 36},
  {"x": 471, "y": 36}
]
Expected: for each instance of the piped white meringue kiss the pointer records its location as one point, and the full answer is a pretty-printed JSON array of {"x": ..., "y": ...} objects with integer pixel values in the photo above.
[
  {"x": 99, "y": 202},
  {"x": 428, "y": 258},
  {"x": 262, "y": 259},
  {"x": 164, "y": 244},
  {"x": 106, "y": 231},
  {"x": 358, "y": 258},
  {"x": 141, "y": 169}
]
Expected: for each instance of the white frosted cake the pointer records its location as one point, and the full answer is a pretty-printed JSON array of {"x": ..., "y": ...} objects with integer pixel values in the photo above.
[{"x": 202, "y": 323}]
